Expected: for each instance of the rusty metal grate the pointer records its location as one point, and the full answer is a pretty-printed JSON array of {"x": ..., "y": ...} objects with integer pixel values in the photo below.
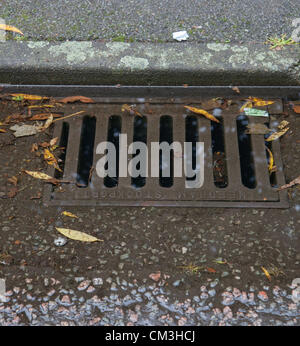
[{"x": 236, "y": 166}]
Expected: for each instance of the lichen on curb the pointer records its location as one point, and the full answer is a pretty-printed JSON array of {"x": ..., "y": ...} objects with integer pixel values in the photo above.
[{"x": 87, "y": 62}]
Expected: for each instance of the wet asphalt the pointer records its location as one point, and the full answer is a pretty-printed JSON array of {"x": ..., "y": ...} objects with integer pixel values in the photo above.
[
  {"x": 155, "y": 266},
  {"x": 154, "y": 21}
]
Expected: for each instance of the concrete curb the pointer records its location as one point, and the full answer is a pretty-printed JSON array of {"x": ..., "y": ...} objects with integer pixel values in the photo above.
[{"x": 96, "y": 63}]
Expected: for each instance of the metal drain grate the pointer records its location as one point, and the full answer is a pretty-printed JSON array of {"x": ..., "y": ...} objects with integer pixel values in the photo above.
[{"x": 235, "y": 171}]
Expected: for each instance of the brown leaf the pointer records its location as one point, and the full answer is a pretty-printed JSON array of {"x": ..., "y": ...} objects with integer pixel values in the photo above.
[
  {"x": 211, "y": 270},
  {"x": 82, "y": 99},
  {"x": 13, "y": 180},
  {"x": 2, "y": 130},
  {"x": 44, "y": 116},
  {"x": 34, "y": 147},
  {"x": 236, "y": 89},
  {"x": 296, "y": 109}
]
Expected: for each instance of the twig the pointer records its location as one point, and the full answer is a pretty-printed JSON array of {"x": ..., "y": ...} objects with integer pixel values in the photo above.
[{"x": 68, "y": 116}]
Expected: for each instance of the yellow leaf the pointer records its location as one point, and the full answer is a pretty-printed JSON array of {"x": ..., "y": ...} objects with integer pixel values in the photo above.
[
  {"x": 282, "y": 124},
  {"x": 202, "y": 112},
  {"x": 38, "y": 175},
  {"x": 67, "y": 213},
  {"x": 266, "y": 273},
  {"x": 248, "y": 104},
  {"x": 40, "y": 106},
  {"x": 10, "y": 28},
  {"x": 2, "y": 130},
  {"x": 276, "y": 135},
  {"x": 29, "y": 97},
  {"x": 77, "y": 235},
  {"x": 260, "y": 102},
  {"x": 51, "y": 160},
  {"x": 271, "y": 163}
]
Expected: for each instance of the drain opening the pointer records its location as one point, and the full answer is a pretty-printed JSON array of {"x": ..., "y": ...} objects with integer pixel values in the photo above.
[
  {"x": 245, "y": 152},
  {"x": 139, "y": 135},
  {"x": 113, "y": 134},
  {"x": 219, "y": 153},
  {"x": 191, "y": 135},
  {"x": 63, "y": 143},
  {"x": 86, "y": 149},
  {"x": 166, "y": 162}
]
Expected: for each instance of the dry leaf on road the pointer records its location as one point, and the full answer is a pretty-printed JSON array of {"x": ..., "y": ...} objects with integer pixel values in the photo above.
[
  {"x": 71, "y": 99},
  {"x": 277, "y": 135},
  {"x": 67, "y": 213},
  {"x": 77, "y": 235},
  {"x": 29, "y": 97},
  {"x": 202, "y": 112},
  {"x": 266, "y": 273},
  {"x": 38, "y": 175},
  {"x": 130, "y": 109},
  {"x": 296, "y": 109},
  {"x": 10, "y": 28}
]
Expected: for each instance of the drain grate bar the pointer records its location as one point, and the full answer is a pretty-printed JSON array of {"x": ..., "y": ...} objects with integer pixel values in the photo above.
[{"x": 225, "y": 147}]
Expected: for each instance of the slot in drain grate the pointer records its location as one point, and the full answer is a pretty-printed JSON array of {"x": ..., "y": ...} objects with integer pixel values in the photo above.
[{"x": 235, "y": 164}]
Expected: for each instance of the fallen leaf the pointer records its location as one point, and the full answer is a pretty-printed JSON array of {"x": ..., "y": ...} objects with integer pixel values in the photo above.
[
  {"x": 25, "y": 130},
  {"x": 248, "y": 104},
  {"x": 48, "y": 122},
  {"x": 266, "y": 273},
  {"x": 67, "y": 213},
  {"x": 82, "y": 99},
  {"x": 211, "y": 270},
  {"x": 38, "y": 175},
  {"x": 44, "y": 116},
  {"x": 257, "y": 102},
  {"x": 296, "y": 109},
  {"x": 17, "y": 242},
  {"x": 40, "y": 106},
  {"x": 30, "y": 97},
  {"x": 13, "y": 180},
  {"x": 2, "y": 130},
  {"x": 50, "y": 159},
  {"x": 236, "y": 89},
  {"x": 271, "y": 161},
  {"x": 130, "y": 109},
  {"x": 34, "y": 147},
  {"x": 53, "y": 141},
  {"x": 10, "y": 28},
  {"x": 277, "y": 135},
  {"x": 292, "y": 183},
  {"x": 283, "y": 124},
  {"x": 77, "y": 235},
  {"x": 202, "y": 112}
]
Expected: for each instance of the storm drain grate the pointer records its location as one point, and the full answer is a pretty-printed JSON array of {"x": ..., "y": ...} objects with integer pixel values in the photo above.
[{"x": 235, "y": 164}]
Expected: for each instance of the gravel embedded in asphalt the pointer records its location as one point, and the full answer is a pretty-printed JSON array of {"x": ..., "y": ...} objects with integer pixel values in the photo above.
[{"x": 135, "y": 20}]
